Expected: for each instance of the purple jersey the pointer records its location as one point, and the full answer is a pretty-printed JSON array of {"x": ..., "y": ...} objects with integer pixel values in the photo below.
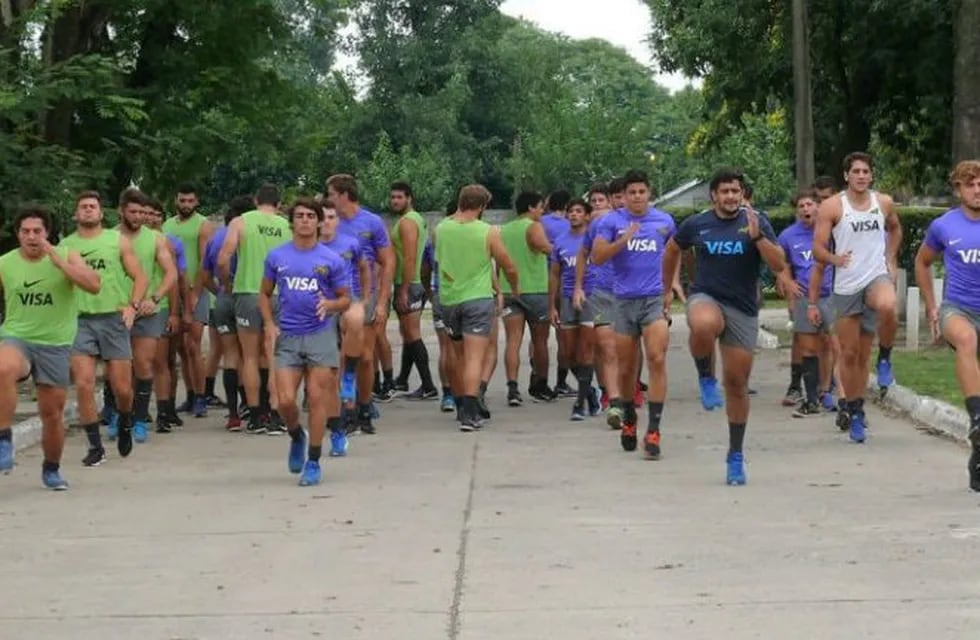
[
  {"x": 602, "y": 274},
  {"x": 349, "y": 249},
  {"x": 302, "y": 276},
  {"x": 429, "y": 258},
  {"x": 555, "y": 226},
  {"x": 957, "y": 238},
  {"x": 370, "y": 231},
  {"x": 180, "y": 256},
  {"x": 566, "y": 255},
  {"x": 210, "y": 260},
  {"x": 637, "y": 267},
  {"x": 797, "y": 243}
]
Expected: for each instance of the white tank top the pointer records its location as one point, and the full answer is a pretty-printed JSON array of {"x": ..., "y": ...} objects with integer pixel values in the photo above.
[{"x": 863, "y": 234}]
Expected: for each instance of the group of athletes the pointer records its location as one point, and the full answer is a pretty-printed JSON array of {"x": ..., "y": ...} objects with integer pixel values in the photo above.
[{"x": 305, "y": 292}]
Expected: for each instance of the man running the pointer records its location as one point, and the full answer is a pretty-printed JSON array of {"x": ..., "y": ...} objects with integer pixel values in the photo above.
[
  {"x": 157, "y": 263},
  {"x": 370, "y": 231},
  {"x": 526, "y": 243},
  {"x": 730, "y": 244},
  {"x": 409, "y": 237},
  {"x": 39, "y": 284},
  {"x": 252, "y": 236},
  {"x": 105, "y": 319},
  {"x": 955, "y": 237},
  {"x": 574, "y": 322},
  {"x": 464, "y": 247},
  {"x": 810, "y": 324},
  {"x": 555, "y": 223},
  {"x": 633, "y": 239},
  {"x": 866, "y": 235},
  {"x": 313, "y": 286},
  {"x": 194, "y": 230},
  {"x": 223, "y": 314}
]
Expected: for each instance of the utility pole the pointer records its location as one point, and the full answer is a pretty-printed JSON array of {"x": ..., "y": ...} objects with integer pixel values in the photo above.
[{"x": 802, "y": 101}]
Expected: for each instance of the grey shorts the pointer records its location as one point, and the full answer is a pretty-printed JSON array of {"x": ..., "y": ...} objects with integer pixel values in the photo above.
[
  {"x": 48, "y": 364},
  {"x": 223, "y": 315},
  {"x": 533, "y": 306},
  {"x": 801, "y": 322},
  {"x": 313, "y": 351},
  {"x": 150, "y": 326},
  {"x": 634, "y": 314},
  {"x": 370, "y": 307},
  {"x": 570, "y": 317},
  {"x": 604, "y": 308},
  {"x": 247, "y": 315},
  {"x": 855, "y": 304},
  {"x": 202, "y": 312},
  {"x": 437, "y": 320},
  {"x": 741, "y": 330},
  {"x": 103, "y": 335},
  {"x": 949, "y": 309},
  {"x": 416, "y": 298},
  {"x": 474, "y": 317}
]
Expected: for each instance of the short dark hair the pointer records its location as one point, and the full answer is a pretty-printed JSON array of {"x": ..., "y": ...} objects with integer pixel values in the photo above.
[
  {"x": 824, "y": 182},
  {"x": 306, "y": 203},
  {"x": 803, "y": 194},
  {"x": 33, "y": 211},
  {"x": 344, "y": 183},
  {"x": 635, "y": 176},
  {"x": 728, "y": 174},
  {"x": 526, "y": 200},
  {"x": 858, "y": 156},
  {"x": 473, "y": 197},
  {"x": 132, "y": 195},
  {"x": 154, "y": 204},
  {"x": 237, "y": 206},
  {"x": 268, "y": 194},
  {"x": 580, "y": 202},
  {"x": 404, "y": 187},
  {"x": 558, "y": 200},
  {"x": 187, "y": 187},
  {"x": 617, "y": 185},
  {"x": 88, "y": 195},
  {"x": 747, "y": 190},
  {"x": 599, "y": 187}
]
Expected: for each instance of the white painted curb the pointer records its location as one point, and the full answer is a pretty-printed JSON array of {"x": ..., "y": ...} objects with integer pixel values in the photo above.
[
  {"x": 939, "y": 415},
  {"x": 767, "y": 340}
]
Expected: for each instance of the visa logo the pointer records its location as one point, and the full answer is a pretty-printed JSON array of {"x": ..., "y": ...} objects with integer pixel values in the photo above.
[
  {"x": 36, "y": 299},
  {"x": 642, "y": 244},
  {"x": 969, "y": 256},
  {"x": 807, "y": 255},
  {"x": 269, "y": 232},
  {"x": 865, "y": 225},
  {"x": 725, "y": 247},
  {"x": 570, "y": 261},
  {"x": 98, "y": 264},
  {"x": 297, "y": 283}
]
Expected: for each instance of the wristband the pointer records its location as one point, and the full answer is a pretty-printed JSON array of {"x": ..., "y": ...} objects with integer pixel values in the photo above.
[{"x": 756, "y": 239}]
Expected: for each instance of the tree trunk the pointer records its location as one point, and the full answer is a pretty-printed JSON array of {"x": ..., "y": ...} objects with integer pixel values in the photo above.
[
  {"x": 966, "y": 81},
  {"x": 802, "y": 100}
]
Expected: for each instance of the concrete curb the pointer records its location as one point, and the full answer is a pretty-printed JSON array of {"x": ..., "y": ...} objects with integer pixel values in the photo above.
[
  {"x": 27, "y": 433},
  {"x": 936, "y": 414},
  {"x": 767, "y": 340}
]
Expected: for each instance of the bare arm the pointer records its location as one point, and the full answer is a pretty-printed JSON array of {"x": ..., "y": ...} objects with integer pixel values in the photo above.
[
  {"x": 339, "y": 304},
  {"x": 554, "y": 277},
  {"x": 165, "y": 259},
  {"x": 670, "y": 265},
  {"x": 537, "y": 239},
  {"x": 410, "y": 244},
  {"x": 228, "y": 249},
  {"x": 203, "y": 236},
  {"x": 893, "y": 227},
  {"x": 131, "y": 265},
  {"x": 923, "y": 275},
  {"x": 827, "y": 216},
  {"x": 603, "y": 250},
  {"x": 81, "y": 275},
  {"x": 580, "y": 260},
  {"x": 364, "y": 274},
  {"x": 265, "y": 302},
  {"x": 386, "y": 260},
  {"x": 499, "y": 253}
]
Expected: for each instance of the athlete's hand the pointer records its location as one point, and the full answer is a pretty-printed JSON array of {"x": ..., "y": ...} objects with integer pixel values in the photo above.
[
  {"x": 668, "y": 301},
  {"x": 187, "y": 320},
  {"x": 791, "y": 288},
  {"x": 401, "y": 299},
  {"x": 893, "y": 271},
  {"x": 271, "y": 331},
  {"x": 555, "y": 318},
  {"x": 322, "y": 306},
  {"x": 843, "y": 261},
  {"x": 147, "y": 308},
  {"x": 173, "y": 324},
  {"x": 813, "y": 315},
  {"x": 753, "y": 219},
  {"x": 128, "y": 316},
  {"x": 933, "y": 316},
  {"x": 500, "y": 302},
  {"x": 380, "y": 315},
  {"x": 578, "y": 299},
  {"x": 631, "y": 231}
]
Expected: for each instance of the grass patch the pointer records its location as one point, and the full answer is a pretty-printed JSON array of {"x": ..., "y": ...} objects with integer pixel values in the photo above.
[{"x": 930, "y": 372}]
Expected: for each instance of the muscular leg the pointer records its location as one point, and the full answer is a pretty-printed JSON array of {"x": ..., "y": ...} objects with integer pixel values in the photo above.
[
  {"x": 51, "y": 405},
  {"x": 514, "y": 332}
]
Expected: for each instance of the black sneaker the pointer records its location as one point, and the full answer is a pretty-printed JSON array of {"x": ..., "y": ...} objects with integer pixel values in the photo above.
[
  {"x": 94, "y": 458},
  {"x": 124, "y": 440},
  {"x": 255, "y": 426},
  {"x": 564, "y": 391},
  {"x": 422, "y": 394},
  {"x": 793, "y": 397},
  {"x": 400, "y": 387},
  {"x": 543, "y": 393},
  {"x": 514, "y": 398},
  {"x": 215, "y": 401},
  {"x": 275, "y": 426},
  {"x": 364, "y": 423},
  {"x": 173, "y": 420},
  {"x": 163, "y": 426},
  {"x": 843, "y": 418},
  {"x": 481, "y": 406},
  {"x": 185, "y": 407},
  {"x": 386, "y": 393},
  {"x": 627, "y": 437},
  {"x": 973, "y": 466},
  {"x": 807, "y": 410}
]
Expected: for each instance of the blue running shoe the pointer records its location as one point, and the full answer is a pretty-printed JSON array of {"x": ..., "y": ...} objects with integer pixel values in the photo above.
[
  {"x": 297, "y": 454},
  {"x": 595, "y": 404},
  {"x": 448, "y": 404},
  {"x": 53, "y": 480},
  {"x": 348, "y": 386},
  {"x": 828, "y": 401},
  {"x": 141, "y": 431},
  {"x": 106, "y": 414},
  {"x": 736, "y": 469},
  {"x": 6, "y": 456},
  {"x": 375, "y": 413},
  {"x": 112, "y": 430},
  {"x": 857, "y": 428},
  {"x": 311, "y": 474},
  {"x": 710, "y": 397},
  {"x": 578, "y": 413},
  {"x": 200, "y": 407},
  {"x": 885, "y": 376},
  {"x": 338, "y": 444}
]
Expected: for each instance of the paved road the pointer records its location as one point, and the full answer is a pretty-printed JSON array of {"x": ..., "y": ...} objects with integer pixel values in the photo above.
[{"x": 536, "y": 528}]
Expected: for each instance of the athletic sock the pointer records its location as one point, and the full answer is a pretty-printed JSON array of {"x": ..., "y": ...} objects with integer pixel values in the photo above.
[
  {"x": 704, "y": 366},
  {"x": 314, "y": 453},
  {"x": 209, "y": 387},
  {"x": 736, "y": 436},
  {"x": 93, "y": 435},
  {"x": 562, "y": 376},
  {"x": 350, "y": 364},
  {"x": 264, "y": 390},
  {"x": 884, "y": 353},
  {"x": 584, "y": 378},
  {"x": 141, "y": 399},
  {"x": 796, "y": 373},
  {"x": 654, "y": 412},
  {"x": 811, "y": 377},
  {"x": 408, "y": 359},
  {"x": 229, "y": 379},
  {"x": 421, "y": 355}
]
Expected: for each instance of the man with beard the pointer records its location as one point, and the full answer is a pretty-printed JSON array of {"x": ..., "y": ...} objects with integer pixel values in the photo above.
[
  {"x": 39, "y": 284},
  {"x": 104, "y": 320},
  {"x": 157, "y": 264},
  {"x": 194, "y": 230}
]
